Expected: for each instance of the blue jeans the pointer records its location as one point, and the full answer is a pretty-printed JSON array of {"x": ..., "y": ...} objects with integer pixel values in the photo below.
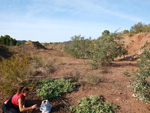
[
  {"x": 4, "y": 109},
  {"x": 11, "y": 109}
]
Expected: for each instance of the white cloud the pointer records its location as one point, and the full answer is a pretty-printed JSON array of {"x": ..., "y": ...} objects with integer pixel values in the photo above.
[{"x": 78, "y": 8}]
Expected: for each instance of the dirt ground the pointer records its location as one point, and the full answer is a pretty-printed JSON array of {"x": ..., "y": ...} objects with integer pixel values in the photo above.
[{"x": 114, "y": 86}]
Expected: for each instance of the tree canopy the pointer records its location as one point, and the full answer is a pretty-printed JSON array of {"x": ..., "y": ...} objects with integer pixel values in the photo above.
[{"x": 7, "y": 40}]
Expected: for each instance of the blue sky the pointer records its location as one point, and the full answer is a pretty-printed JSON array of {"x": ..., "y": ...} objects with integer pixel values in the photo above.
[{"x": 59, "y": 20}]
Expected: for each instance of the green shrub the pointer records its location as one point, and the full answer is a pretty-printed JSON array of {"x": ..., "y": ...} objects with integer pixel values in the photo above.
[
  {"x": 13, "y": 72},
  {"x": 79, "y": 47},
  {"x": 125, "y": 31},
  {"x": 140, "y": 27},
  {"x": 49, "y": 88},
  {"x": 8, "y": 40},
  {"x": 106, "y": 49},
  {"x": 130, "y": 34},
  {"x": 101, "y": 51},
  {"x": 105, "y": 33},
  {"x": 93, "y": 104},
  {"x": 137, "y": 28},
  {"x": 140, "y": 83}
]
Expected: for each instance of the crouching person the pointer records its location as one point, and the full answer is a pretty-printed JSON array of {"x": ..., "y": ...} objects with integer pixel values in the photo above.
[{"x": 16, "y": 103}]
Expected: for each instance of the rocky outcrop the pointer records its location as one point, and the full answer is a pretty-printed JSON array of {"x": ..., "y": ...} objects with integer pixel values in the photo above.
[{"x": 37, "y": 45}]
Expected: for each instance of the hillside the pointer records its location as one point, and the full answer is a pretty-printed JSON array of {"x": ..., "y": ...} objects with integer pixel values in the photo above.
[
  {"x": 56, "y": 46},
  {"x": 136, "y": 43},
  {"x": 108, "y": 82},
  {"x": 36, "y": 45}
]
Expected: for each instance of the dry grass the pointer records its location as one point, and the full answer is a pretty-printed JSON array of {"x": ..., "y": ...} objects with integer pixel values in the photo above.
[
  {"x": 13, "y": 72},
  {"x": 91, "y": 78},
  {"x": 43, "y": 65},
  {"x": 84, "y": 77},
  {"x": 75, "y": 75}
]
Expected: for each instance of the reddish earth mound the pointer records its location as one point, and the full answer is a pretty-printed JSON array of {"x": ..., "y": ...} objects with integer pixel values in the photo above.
[
  {"x": 36, "y": 45},
  {"x": 136, "y": 43}
]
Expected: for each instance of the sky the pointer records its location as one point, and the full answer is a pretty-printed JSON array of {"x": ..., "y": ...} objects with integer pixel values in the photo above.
[{"x": 59, "y": 20}]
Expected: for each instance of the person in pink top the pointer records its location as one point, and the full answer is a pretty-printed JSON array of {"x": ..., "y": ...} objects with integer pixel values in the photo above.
[{"x": 16, "y": 103}]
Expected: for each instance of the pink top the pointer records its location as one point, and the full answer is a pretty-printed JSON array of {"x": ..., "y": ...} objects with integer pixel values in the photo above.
[{"x": 15, "y": 99}]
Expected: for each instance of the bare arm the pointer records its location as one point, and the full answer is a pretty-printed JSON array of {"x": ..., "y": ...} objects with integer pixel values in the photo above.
[{"x": 22, "y": 108}]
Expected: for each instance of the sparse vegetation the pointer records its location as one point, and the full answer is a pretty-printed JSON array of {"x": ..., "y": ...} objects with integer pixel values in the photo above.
[
  {"x": 130, "y": 34},
  {"x": 49, "y": 88},
  {"x": 80, "y": 77},
  {"x": 103, "y": 55},
  {"x": 140, "y": 27},
  {"x": 74, "y": 75},
  {"x": 13, "y": 72},
  {"x": 90, "y": 78},
  {"x": 95, "y": 50},
  {"x": 18, "y": 69},
  {"x": 93, "y": 104},
  {"x": 43, "y": 64},
  {"x": 140, "y": 83},
  {"x": 126, "y": 31},
  {"x": 46, "y": 44},
  {"x": 79, "y": 47}
]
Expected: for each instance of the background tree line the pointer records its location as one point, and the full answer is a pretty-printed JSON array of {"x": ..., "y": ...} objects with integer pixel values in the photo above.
[
  {"x": 138, "y": 28},
  {"x": 7, "y": 40}
]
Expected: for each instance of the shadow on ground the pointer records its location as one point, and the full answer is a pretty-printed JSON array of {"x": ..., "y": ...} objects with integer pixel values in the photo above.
[
  {"x": 59, "y": 105},
  {"x": 4, "y": 52}
]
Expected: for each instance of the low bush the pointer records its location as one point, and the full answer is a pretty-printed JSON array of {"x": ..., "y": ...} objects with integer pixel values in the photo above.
[
  {"x": 91, "y": 78},
  {"x": 101, "y": 51},
  {"x": 140, "y": 82},
  {"x": 79, "y": 47},
  {"x": 73, "y": 74},
  {"x": 106, "y": 49},
  {"x": 43, "y": 64},
  {"x": 49, "y": 88},
  {"x": 93, "y": 104},
  {"x": 140, "y": 27},
  {"x": 83, "y": 77},
  {"x": 130, "y": 34},
  {"x": 13, "y": 72}
]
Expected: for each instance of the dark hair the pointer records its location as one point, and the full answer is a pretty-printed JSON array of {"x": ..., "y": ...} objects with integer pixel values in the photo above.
[{"x": 22, "y": 89}]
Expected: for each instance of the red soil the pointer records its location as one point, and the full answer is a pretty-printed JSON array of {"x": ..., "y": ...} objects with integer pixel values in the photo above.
[
  {"x": 136, "y": 42},
  {"x": 114, "y": 86}
]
